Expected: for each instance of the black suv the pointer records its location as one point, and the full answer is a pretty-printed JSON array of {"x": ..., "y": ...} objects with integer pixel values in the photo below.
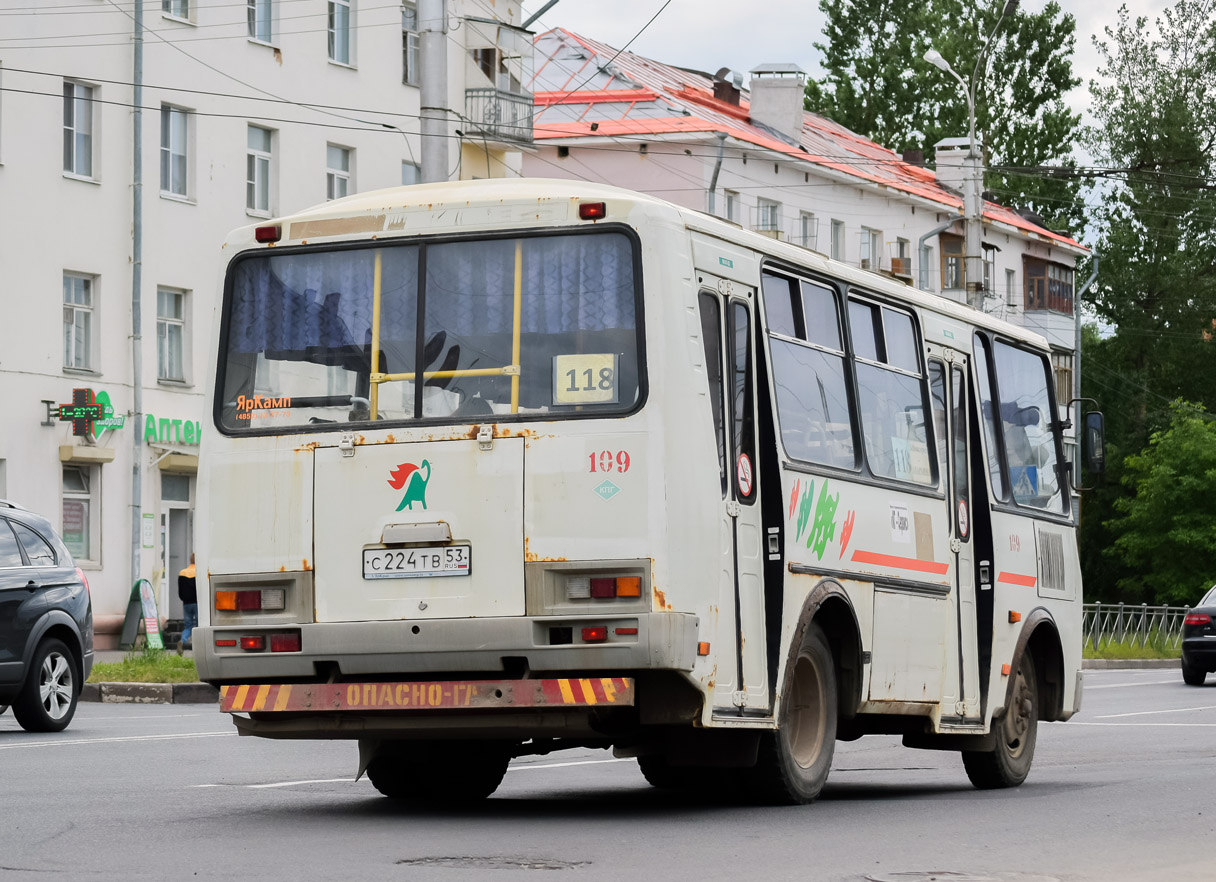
[{"x": 46, "y": 622}]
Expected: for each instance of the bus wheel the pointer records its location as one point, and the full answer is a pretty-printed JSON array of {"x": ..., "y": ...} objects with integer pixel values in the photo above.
[
  {"x": 1008, "y": 763},
  {"x": 794, "y": 761},
  {"x": 660, "y": 773},
  {"x": 444, "y": 774}
]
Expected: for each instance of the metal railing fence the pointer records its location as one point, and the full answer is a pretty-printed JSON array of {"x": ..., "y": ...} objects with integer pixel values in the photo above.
[{"x": 1133, "y": 624}]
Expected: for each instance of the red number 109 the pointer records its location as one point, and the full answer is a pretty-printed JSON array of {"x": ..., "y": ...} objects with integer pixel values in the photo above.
[{"x": 607, "y": 460}]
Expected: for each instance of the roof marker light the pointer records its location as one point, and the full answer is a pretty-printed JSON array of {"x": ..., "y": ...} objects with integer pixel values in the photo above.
[
  {"x": 592, "y": 210},
  {"x": 268, "y": 234}
]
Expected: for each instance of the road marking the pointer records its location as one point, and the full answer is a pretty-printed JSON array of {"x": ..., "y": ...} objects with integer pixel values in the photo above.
[
  {"x": 116, "y": 740},
  {"x": 1126, "y": 685},
  {"x": 528, "y": 766},
  {"x": 1072, "y": 723},
  {"x": 1177, "y": 710}
]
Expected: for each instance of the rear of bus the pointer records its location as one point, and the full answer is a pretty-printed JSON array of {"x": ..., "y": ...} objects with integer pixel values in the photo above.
[{"x": 426, "y": 502}]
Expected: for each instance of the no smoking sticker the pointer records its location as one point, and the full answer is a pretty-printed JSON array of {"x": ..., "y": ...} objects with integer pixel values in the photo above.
[{"x": 745, "y": 475}]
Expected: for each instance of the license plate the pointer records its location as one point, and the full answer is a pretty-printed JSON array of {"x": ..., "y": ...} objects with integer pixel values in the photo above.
[{"x": 413, "y": 563}]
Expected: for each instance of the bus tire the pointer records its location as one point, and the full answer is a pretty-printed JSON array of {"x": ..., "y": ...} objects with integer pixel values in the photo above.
[
  {"x": 663, "y": 775},
  {"x": 794, "y": 761},
  {"x": 440, "y": 774},
  {"x": 1008, "y": 763}
]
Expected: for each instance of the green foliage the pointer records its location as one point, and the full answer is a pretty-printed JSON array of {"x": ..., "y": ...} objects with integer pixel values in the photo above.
[
  {"x": 1156, "y": 130},
  {"x": 1154, "y": 648},
  {"x": 878, "y": 84},
  {"x": 147, "y": 666},
  {"x": 1165, "y": 531}
]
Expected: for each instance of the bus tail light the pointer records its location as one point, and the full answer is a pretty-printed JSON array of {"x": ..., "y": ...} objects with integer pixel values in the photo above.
[
  {"x": 603, "y": 587},
  {"x": 593, "y": 210},
  {"x": 247, "y": 601},
  {"x": 251, "y": 601},
  {"x": 265, "y": 234},
  {"x": 289, "y": 642},
  {"x": 253, "y": 644},
  {"x": 225, "y": 600},
  {"x": 598, "y": 634},
  {"x": 628, "y": 586},
  {"x": 578, "y": 587},
  {"x": 225, "y": 641},
  {"x": 1196, "y": 619}
]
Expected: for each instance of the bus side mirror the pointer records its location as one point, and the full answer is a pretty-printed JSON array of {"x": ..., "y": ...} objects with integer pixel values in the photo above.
[{"x": 1093, "y": 443}]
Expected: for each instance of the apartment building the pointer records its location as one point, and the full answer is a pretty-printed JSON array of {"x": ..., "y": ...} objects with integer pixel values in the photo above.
[{"x": 247, "y": 110}]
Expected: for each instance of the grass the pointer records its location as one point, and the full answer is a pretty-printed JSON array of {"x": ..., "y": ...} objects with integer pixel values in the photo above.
[
  {"x": 146, "y": 666},
  {"x": 1112, "y": 650}
]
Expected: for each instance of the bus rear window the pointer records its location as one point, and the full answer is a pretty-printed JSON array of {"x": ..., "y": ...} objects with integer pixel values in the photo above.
[{"x": 460, "y": 331}]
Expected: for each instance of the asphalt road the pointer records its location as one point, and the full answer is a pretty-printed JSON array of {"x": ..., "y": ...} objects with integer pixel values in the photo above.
[{"x": 1125, "y": 791}]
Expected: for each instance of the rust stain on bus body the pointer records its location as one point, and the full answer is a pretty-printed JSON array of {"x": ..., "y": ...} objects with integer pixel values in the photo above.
[
  {"x": 307, "y": 565},
  {"x": 660, "y": 599}
]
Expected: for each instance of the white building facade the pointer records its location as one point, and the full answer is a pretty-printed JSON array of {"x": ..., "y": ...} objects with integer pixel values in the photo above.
[{"x": 247, "y": 111}]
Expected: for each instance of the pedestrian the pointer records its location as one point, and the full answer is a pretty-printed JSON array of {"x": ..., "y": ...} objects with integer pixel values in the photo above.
[{"x": 188, "y": 592}]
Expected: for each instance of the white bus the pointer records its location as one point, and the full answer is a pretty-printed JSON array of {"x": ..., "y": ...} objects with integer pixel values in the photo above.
[{"x": 498, "y": 468}]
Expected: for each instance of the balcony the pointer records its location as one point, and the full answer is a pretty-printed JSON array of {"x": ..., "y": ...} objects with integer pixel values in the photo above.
[{"x": 501, "y": 116}]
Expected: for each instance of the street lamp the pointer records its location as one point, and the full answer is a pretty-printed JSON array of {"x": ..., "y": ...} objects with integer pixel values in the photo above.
[{"x": 972, "y": 202}]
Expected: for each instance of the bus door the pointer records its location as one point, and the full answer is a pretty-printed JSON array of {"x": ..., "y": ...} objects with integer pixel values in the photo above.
[
  {"x": 728, "y": 331},
  {"x": 965, "y": 688}
]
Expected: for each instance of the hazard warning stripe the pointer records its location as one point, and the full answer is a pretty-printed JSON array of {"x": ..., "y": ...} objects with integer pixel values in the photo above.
[{"x": 427, "y": 695}]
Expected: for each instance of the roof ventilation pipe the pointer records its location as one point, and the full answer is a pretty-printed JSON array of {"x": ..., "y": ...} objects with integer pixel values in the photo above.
[
  {"x": 777, "y": 95},
  {"x": 713, "y": 181}
]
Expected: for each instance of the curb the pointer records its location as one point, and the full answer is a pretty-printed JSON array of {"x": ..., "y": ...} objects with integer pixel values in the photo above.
[
  {"x": 1108, "y": 664},
  {"x": 150, "y": 693}
]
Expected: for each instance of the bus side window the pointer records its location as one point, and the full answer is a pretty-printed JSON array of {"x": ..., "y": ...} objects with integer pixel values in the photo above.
[
  {"x": 962, "y": 488},
  {"x": 937, "y": 397},
  {"x": 711, "y": 336},
  {"x": 983, "y": 368},
  {"x": 813, "y": 405},
  {"x": 891, "y": 393},
  {"x": 741, "y": 396},
  {"x": 1023, "y": 384}
]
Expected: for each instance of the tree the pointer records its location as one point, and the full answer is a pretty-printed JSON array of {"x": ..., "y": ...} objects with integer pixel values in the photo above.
[
  {"x": 878, "y": 84},
  {"x": 1166, "y": 530},
  {"x": 1155, "y": 134}
]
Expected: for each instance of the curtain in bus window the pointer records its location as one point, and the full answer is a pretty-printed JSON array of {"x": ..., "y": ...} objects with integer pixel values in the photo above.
[
  {"x": 1028, "y": 427},
  {"x": 812, "y": 404},
  {"x": 577, "y": 298},
  {"x": 711, "y": 336},
  {"x": 740, "y": 335}
]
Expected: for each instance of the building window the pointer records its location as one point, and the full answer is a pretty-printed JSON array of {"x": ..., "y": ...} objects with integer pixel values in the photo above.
[
  {"x": 901, "y": 264},
  {"x": 1061, "y": 370},
  {"x": 337, "y": 171},
  {"x": 339, "y": 30},
  {"x": 731, "y": 198},
  {"x": 409, "y": 44},
  {"x": 871, "y": 249},
  {"x": 410, "y": 173},
  {"x": 257, "y": 170},
  {"x": 1048, "y": 286},
  {"x": 260, "y": 15},
  {"x": 78, "y": 322},
  {"x": 953, "y": 275},
  {"x": 1010, "y": 279},
  {"x": 170, "y": 334},
  {"x": 837, "y": 240},
  {"x": 768, "y": 215},
  {"x": 806, "y": 229},
  {"x": 176, "y": 8},
  {"x": 80, "y": 512},
  {"x": 78, "y": 129},
  {"x": 172, "y": 150},
  {"x": 989, "y": 270}
]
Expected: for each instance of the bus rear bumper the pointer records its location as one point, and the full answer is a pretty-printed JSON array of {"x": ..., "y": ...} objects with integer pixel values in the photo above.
[{"x": 664, "y": 641}]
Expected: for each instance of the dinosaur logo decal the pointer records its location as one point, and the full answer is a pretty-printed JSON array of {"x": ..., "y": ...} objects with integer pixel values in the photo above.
[{"x": 413, "y": 479}]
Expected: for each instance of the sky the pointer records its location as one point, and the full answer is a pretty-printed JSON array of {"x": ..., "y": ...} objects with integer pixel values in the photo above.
[{"x": 711, "y": 34}]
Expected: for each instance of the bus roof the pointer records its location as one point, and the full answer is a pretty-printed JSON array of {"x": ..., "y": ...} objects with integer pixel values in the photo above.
[{"x": 513, "y": 202}]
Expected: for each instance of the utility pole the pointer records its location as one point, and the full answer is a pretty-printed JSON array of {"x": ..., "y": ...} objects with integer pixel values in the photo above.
[
  {"x": 137, "y": 248},
  {"x": 434, "y": 87}
]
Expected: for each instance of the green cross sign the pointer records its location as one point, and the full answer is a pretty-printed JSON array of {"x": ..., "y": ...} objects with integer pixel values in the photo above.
[{"x": 81, "y": 412}]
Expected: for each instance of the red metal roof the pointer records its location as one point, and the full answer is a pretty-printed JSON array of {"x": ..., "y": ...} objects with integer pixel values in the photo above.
[{"x": 581, "y": 82}]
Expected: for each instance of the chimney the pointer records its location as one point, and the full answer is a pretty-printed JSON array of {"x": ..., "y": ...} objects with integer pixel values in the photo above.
[
  {"x": 724, "y": 89},
  {"x": 951, "y": 169},
  {"x": 913, "y": 156},
  {"x": 777, "y": 94}
]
